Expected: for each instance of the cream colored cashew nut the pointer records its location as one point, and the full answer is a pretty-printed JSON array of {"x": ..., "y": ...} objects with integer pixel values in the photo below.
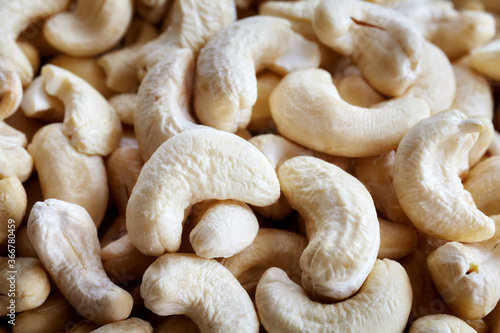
[
  {"x": 13, "y": 202},
  {"x": 152, "y": 10},
  {"x": 14, "y": 159},
  {"x": 341, "y": 225},
  {"x": 11, "y": 90},
  {"x": 483, "y": 183},
  {"x": 440, "y": 323},
  {"x": 382, "y": 304},
  {"x": 474, "y": 96},
  {"x": 261, "y": 119},
  {"x": 486, "y": 59},
  {"x": 171, "y": 285},
  {"x": 177, "y": 324},
  {"x": 308, "y": 110},
  {"x": 31, "y": 52},
  {"x": 65, "y": 239},
  {"x": 396, "y": 240},
  {"x": 355, "y": 90},
  {"x": 135, "y": 325},
  {"x": 174, "y": 179},
  {"x": 125, "y": 105},
  {"x": 433, "y": 197},
  {"x": 226, "y": 84},
  {"x": 93, "y": 27},
  {"x": 37, "y": 103}
]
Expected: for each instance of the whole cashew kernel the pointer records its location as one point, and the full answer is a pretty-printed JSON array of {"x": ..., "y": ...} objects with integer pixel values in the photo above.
[
  {"x": 135, "y": 325},
  {"x": 483, "y": 183},
  {"x": 474, "y": 96},
  {"x": 14, "y": 158},
  {"x": 13, "y": 202},
  {"x": 75, "y": 265},
  {"x": 171, "y": 285},
  {"x": 440, "y": 323},
  {"x": 11, "y": 90}
]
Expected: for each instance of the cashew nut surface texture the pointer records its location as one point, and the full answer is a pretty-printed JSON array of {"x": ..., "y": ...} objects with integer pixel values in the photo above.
[
  {"x": 483, "y": 183},
  {"x": 201, "y": 289},
  {"x": 13, "y": 202},
  {"x": 396, "y": 240},
  {"x": 65, "y": 239},
  {"x": 190, "y": 167},
  {"x": 226, "y": 84},
  {"x": 440, "y": 323},
  {"x": 341, "y": 225},
  {"x": 426, "y": 178},
  {"x": 486, "y": 59},
  {"x": 37, "y": 103},
  {"x": 307, "y": 109},
  {"x": 382, "y": 304},
  {"x": 14, "y": 158},
  {"x": 125, "y": 105},
  {"x": 135, "y": 325},
  {"x": 11, "y": 89}
]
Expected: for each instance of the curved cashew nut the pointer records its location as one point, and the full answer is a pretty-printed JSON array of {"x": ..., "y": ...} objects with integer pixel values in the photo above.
[
  {"x": 92, "y": 28},
  {"x": 308, "y": 100},
  {"x": 135, "y": 325},
  {"x": 14, "y": 159},
  {"x": 355, "y": 90},
  {"x": 486, "y": 59},
  {"x": 220, "y": 304},
  {"x": 177, "y": 324},
  {"x": 67, "y": 174},
  {"x": 483, "y": 183},
  {"x": 440, "y": 323},
  {"x": 13, "y": 202},
  {"x": 222, "y": 229},
  {"x": 11, "y": 90},
  {"x": 351, "y": 27},
  {"x": 271, "y": 248},
  {"x": 474, "y": 96},
  {"x": 432, "y": 196},
  {"x": 164, "y": 101},
  {"x": 261, "y": 119},
  {"x": 174, "y": 179},
  {"x": 32, "y": 53},
  {"x": 382, "y": 304},
  {"x": 16, "y": 15},
  {"x": 37, "y": 103},
  {"x": 226, "y": 85},
  {"x": 396, "y": 240},
  {"x": 341, "y": 224},
  {"x": 125, "y": 105},
  {"x": 56, "y": 226}
]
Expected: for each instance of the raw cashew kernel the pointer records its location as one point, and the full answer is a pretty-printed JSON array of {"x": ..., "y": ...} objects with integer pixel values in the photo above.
[
  {"x": 152, "y": 10},
  {"x": 177, "y": 324},
  {"x": 11, "y": 90},
  {"x": 14, "y": 159},
  {"x": 486, "y": 59},
  {"x": 261, "y": 119},
  {"x": 135, "y": 325},
  {"x": 13, "y": 202},
  {"x": 171, "y": 285},
  {"x": 37, "y": 103},
  {"x": 440, "y": 323},
  {"x": 396, "y": 240},
  {"x": 355, "y": 90},
  {"x": 125, "y": 105},
  {"x": 175, "y": 178},
  {"x": 32, "y": 53},
  {"x": 65, "y": 239},
  {"x": 432, "y": 195},
  {"x": 483, "y": 183},
  {"x": 341, "y": 224},
  {"x": 382, "y": 304},
  {"x": 474, "y": 96}
]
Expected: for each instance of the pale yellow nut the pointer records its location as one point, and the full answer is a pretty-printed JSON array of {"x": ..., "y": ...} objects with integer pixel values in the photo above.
[
  {"x": 271, "y": 248},
  {"x": 135, "y": 325},
  {"x": 176, "y": 177},
  {"x": 341, "y": 225},
  {"x": 31, "y": 52},
  {"x": 486, "y": 59},
  {"x": 493, "y": 318},
  {"x": 479, "y": 325},
  {"x": 125, "y": 105},
  {"x": 83, "y": 327},
  {"x": 152, "y": 10},
  {"x": 308, "y": 110},
  {"x": 23, "y": 280},
  {"x": 261, "y": 119},
  {"x": 484, "y": 141},
  {"x": 474, "y": 96},
  {"x": 396, "y": 240},
  {"x": 67, "y": 174},
  {"x": 92, "y": 28},
  {"x": 355, "y": 90},
  {"x": 164, "y": 101},
  {"x": 16, "y": 16},
  {"x": 36, "y": 103},
  {"x": 381, "y": 305},
  {"x": 89, "y": 120},
  {"x": 220, "y": 304},
  {"x": 65, "y": 239},
  {"x": 226, "y": 84},
  {"x": 13, "y": 202},
  {"x": 14, "y": 159},
  {"x": 440, "y": 323},
  {"x": 352, "y": 27},
  {"x": 11, "y": 90},
  {"x": 433, "y": 196},
  {"x": 177, "y": 324},
  {"x": 494, "y": 148},
  {"x": 483, "y": 183}
]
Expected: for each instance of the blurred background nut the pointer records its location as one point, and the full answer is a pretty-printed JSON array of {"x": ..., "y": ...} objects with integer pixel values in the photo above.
[
  {"x": 13, "y": 202},
  {"x": 152, "y": 10},
  {"x": 135, "y": 325},
  {"x": 37, "y": 103},
  {"x": 396, "y": 240},
  {"x": 125, "y": 105},
  {"x": 11, "y": 90},
  {"x": 177, "y": 324},
  {"x": 486, "y": 59},
  {"x": 482, "y": 182},
  {"x": 261, "y": 119},
  {"x": 31, "y": 52},
  {"x": 14, "y": 158}
]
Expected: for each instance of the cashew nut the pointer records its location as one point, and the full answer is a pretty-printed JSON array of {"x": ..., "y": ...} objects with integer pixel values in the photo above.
[
  {"x": 125, "y": 105},
  {"x": 382, "y": 304},
  {"x": 431, "y": 195},
  {"x": 152, "y": 10},
  {"x": 486, "y": 59},
  {"x": 135, "y": 325},
  {"x": 219, "y": 304},
  {"x": 483, "y": 184},
  {"x": 14, "y": 159},
  {"x": 261, "y": 119},
  {"x": 355, "y": 90},
  {"x": 31, "y": 52},
  {"x": 489, "y": 5},
  {"x": 177, "y": 324},
  {"x": 11, "y": 90},
  {"x": 37, "y": 103},
  {"x": 396, "y": 240},
  {"x": 473, "y": 97},
  {"x": 13, "y": 202},
  {"x": 440, "y": 323}
]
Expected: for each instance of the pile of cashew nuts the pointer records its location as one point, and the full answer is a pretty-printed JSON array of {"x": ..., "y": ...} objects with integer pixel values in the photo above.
[{"x": 249, "y": 166}]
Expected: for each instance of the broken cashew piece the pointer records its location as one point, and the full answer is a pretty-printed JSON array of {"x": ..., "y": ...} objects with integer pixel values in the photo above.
[
  {"x": 174, "y": 179},
  {"x": 382, "y": 304},
  {"x": 483, "y": 183},
  {"x": 226, "y": 84},
  {"x": 13, "y": 202},
  {"x": 14, "y": 158},
  {"x": 433, "y": 197},
  {"x": 92, "y": 28},
  {"x": 11, "y": 90},
  {"x": 220, "y": 304},
  {"x": 77, "y": 269},
  {"x": 341, "y": 225},
  {"x": 440, "y": 323}
]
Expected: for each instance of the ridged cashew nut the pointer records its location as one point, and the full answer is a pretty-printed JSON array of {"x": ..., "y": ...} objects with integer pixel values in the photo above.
[
  {"x": 307, "y": 109},
  {"x": 11, "y": 90},
  {"x": 226, "y": 84},
  {"x": 474, "y": 96},
  {"x": 171, "y": 285},
  {"x": 175, "y": 178},
  {"x": 92, "y": 28},
  {"x": 14, "y": 159},
  {"x": 13, "y": 202},
  {"x": 483, "y": 183},
  {"x": 431, "y": 195},
  {"x": 396, "y": 240},
  {"x": 65, "y": 239},
  {"x": 382, "y": 304},
  {"x": 440, "y": 323},
  {"x": 341, "y": 225}
]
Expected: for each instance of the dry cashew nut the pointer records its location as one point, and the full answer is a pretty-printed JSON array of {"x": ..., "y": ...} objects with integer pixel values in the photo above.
[
  {"x": 352, "y": 27},
  {"x": 13, "y": 202},
  {"x": 164, "y": 101},
  {"x": 11, "y": 90},
  {"x": 14, "y": 159},
  {"x": 341, "y": 225},
  {"x": 93, "y": 27},
  {"x": 440, "y": 323},
  {"x": 83, "y": 327},
  {"x": 16, "y": 15},
  {"x": 175, "y": 178},
  {"x": 219, "y": 304},
  {"x": 486, "y": 59},
  {"x": 482, "y": 182},
  {"x": 226, "y": 84},
  {"x": 37, "y": 103},
  {"x": 355, "y": 90},
  {"x": 432, "y": 196},
  {"x": 28, "y": 286},
  {"x": 135, "y": 325},
  {"x": 76, "y": 269},
  {"x": 396, "y": 240},
  {"x": 152, "y": 10},
  {"x": 125, "y": 105},
  {"x": 467, "y": 275},
  {"x": 261, "y": 119},
  {"x": 382, "y": 304},
  {"x": 177, "y": 324},
  {"x": 222, "y": 229},
  {"x": 271, "y": 248},
  {"x": 31, "y": 52},
  {"x": 307, "y": 109},
  {"x": 67, "y": 174}
]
